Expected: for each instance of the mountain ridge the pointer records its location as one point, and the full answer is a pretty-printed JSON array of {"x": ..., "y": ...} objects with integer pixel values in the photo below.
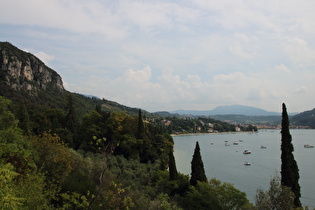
[{"x": 230, "y": 110}]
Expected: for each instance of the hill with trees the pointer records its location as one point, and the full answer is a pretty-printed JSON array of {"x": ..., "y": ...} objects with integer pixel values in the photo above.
[{"x": 306, "y": 118}]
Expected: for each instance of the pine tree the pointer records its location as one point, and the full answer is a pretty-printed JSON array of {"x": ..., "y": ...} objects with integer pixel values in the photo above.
[
  {"x": 289, "y": 168},
  {"x": 197, "y": 169},
  {"x": 172, "y": 166}
]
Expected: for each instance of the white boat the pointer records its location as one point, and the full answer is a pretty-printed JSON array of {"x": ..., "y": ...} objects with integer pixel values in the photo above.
[
  {"x": 247, "y": 163},
  {"x": 263, "y": 147},
  {"x": 247, "y": 152},
  {"x": 308, "y": 146},
  {"x": 226, "y": 144},
  {"x": 235, "y": 143}
]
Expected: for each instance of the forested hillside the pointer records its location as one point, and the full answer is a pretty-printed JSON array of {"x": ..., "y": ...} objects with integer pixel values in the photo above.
[
  {"x": 306, "y": 118},
  {"x": 116, "y": 161}
]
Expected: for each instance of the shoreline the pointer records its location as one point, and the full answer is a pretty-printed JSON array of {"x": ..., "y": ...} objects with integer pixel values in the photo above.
[
  {"x": 196, "y": 134},
  {"x": 231, "y": 132}
]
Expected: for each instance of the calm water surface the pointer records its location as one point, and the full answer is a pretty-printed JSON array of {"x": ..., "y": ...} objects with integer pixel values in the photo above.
[{"x": 226, "y": 163}]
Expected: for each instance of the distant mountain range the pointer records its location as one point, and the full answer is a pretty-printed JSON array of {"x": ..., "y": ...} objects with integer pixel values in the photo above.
[{"x": 230, "y": 110}]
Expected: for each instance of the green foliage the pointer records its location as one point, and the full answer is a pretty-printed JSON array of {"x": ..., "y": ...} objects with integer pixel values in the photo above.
[
  {"x": 289, "y": 168},
  {"x": 114, "y": 168},
  {"x": 277, "y": 197},
  {"x": 141, "y": 131},
  {"x": 175, "y": 125},
  {"x": 306, "y": 118},
  {"x": 73, "y": 200},
  {"x": 7, "y": 119},
  {"x": 8, "y": 197},
  {"x": 172, "y": 166},
  {"x": 197, "y": 168},
  {"x": 24, "y": 120},
  {"x": 201, "y": 196},
  {"x": 215, "y": 195},
  {"x": 229, "y": 196},
  {"x": 54, "y": 156}
]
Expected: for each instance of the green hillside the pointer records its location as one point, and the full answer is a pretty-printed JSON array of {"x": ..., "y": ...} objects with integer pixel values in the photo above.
[{"x": 306, "y": 118}]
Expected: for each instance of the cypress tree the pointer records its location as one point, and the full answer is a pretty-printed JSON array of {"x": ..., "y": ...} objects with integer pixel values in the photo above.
[
  {"x": 24, "y": 120},
  {"x": 71, "y": 116},
  {"x": 172, "y": 166},
  {"x": 141, "y": 132},
  {"x": 289, "y": 168},
  {"x": 197, "y": 169}
]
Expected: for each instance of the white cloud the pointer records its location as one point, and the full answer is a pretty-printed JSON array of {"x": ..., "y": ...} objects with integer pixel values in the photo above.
[
  {"x": 80, "y": 17},
  {"x": 301, "y": 90},
  {"x": 161, "y": 55},
  {"x": 300, "y": 52},
  {"x": 282, "y": 68},
  {"x": 45, "y": 57}
]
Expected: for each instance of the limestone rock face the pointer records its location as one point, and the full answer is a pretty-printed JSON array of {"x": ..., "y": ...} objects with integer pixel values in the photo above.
[{"x": 23, "y": 71}]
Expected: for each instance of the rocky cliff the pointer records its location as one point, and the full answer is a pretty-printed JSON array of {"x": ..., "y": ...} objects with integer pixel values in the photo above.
[{"x": 24, "y": 72}]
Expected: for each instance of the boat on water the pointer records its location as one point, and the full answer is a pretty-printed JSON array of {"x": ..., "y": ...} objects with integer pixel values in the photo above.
[
  {"x": 226, "y": 144},
  {"x": 308, "y": 146},
  {"x": 263, "y": 147},
  {"x": 247, "y": 163},
  {"x": 247, "y": 152},
  {"x": 235, "y": 143}
]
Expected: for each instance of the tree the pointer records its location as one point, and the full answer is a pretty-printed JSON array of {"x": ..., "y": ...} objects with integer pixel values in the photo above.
[
  {"x": 24, "y": 120},
  {"x": 289, "y": 168},
  {"x": 276, "y": 197},
  {"x": 71, "y": 121},
  {"x": 172, "y": 166},
  {"x": 197, "y": 169},
  {"x": 141, "y": 131}
]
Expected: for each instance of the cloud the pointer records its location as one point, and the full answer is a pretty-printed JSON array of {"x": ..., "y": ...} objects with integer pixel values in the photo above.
[
  {"x": 301, "y": 90},
  {"x": 45, "y": 57},
  {"x": 162, "y": 55},
  {"x": 79, "y": 17},
  {"x": 282, "y": 68},
  {"x": 299, "y": 51}
]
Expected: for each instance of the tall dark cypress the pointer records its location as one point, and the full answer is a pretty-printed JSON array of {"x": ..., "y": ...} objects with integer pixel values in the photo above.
[
  {"x": 141, "y": 131},
  {"x": 24, "y": 120},
  {"x": 71, "y": 117},
  {"x": 289, "y": 168},
  {"x": 172, "y": 166},
  {"x": 197, "y": 169}
]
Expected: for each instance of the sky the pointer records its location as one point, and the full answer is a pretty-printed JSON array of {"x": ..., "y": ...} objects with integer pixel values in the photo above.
[{"x": 163, "y": 55}]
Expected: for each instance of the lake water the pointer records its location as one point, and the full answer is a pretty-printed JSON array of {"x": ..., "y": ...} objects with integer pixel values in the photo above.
[{"x": 226, "y": 163}]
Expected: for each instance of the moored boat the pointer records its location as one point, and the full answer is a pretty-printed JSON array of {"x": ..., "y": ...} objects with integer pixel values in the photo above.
[
  {"x": 247, "y": 163},
  {"x": 247, "y": 152},
  {"x": 308, "y": 146}
]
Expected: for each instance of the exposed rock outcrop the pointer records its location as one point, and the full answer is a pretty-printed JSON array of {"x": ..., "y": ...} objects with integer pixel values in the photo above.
[{"x": 23, "y": 71}]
